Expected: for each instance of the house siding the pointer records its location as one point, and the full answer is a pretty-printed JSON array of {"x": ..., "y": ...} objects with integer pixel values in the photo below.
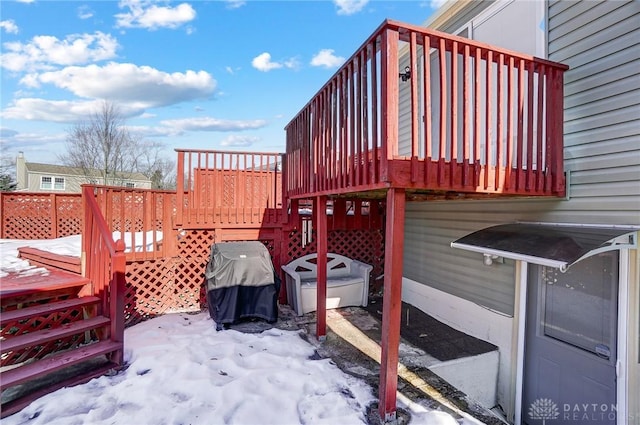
[
  {"x": 602, "y": 157},
  {"x": 600, "y": 41}
]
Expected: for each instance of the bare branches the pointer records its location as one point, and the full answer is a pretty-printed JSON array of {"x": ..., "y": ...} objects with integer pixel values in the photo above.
[{"x": 105, "y": 151}]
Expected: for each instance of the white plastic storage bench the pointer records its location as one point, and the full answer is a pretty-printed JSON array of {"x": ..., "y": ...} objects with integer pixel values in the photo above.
[{"x": 347, "y": 282}]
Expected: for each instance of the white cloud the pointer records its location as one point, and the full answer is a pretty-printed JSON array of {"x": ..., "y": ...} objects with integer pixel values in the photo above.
[
  {"x": 85, "y": 12},
  {"x": 7, "y": 132},
  {"x": 147, "y": 14},
  {"x": 262, "y": 62},
  {"x": 349, "y": 7},
  {"x": 43, "y": 52},
  {"x": 125, "y": 83},
  {"x": 292, "y": 63},
  {"x": 32, "y": 141},
  {"x": 235, "y": 4},
  {"x": 151, "y": 132},
  {"x": 213, "y": 124},
  {"x": 61, "y": 111},
  {"x": 239, "y": 141},
  {"x": 26, "y": 1},
  {"x": 325, "y": 58},
  {"x": 9, "y": 26}
]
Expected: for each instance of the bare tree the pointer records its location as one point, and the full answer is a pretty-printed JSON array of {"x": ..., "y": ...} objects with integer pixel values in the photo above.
[
  {"x": 102, "y": 147},
  {"x": 160, "y": 170},
  {"x": 7, "y": 170}
]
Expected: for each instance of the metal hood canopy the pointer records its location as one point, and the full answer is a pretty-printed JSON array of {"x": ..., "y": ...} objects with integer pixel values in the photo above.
[{"x": 554, "y": 245}]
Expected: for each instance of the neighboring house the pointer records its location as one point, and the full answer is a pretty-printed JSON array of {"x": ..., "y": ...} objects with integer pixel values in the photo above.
[
  {"x": 568, "y": 339},
  {"x": 34, "y": 177}
]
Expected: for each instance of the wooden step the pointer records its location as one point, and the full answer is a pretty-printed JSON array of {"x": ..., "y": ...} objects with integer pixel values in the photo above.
[
  {"x": 35, "y": 338},
  {"x": 27, "y": 284},
  {"x": 16, "y": 405},
  {"x": 43, "y": 309},
  {"x": 56, "y": 362},
  {"x": 38, "y": 257}
]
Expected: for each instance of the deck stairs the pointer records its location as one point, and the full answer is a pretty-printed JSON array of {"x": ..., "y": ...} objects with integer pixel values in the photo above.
[{"x": 52, "y": 332}]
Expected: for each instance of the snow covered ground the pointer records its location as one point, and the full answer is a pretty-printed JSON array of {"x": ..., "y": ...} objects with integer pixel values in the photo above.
[{"x": 180, "y": 370}]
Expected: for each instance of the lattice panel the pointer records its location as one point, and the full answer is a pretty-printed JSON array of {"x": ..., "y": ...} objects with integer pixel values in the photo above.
[
  {"x": 363, "y": 245},
  {"x": 27, "y": 227},
  {"x": 194, "y": 249},
  {"x": 69, "y": 214},
  {"x": 229, "y": 190},
  {"x": 45, "y": 321},
  {"x": 27, "y": 217},
  {"x": 150, "y": 289}
]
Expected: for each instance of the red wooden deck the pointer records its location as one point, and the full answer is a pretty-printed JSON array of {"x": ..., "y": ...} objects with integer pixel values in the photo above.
[
  {"x": 471, "y": 121},
  {"x": 38, "y": 257},
  {"x": 27, "y": 284},
  {"x": 476, "y": 120},
  {"x": 464, "y": 119}
]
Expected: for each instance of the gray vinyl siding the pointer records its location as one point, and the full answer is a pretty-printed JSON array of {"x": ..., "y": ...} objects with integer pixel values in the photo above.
[{"x": 600, "y": 41}]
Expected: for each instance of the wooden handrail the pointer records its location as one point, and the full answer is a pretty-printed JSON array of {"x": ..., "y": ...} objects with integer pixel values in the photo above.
[{"x": 104, "y": 265}]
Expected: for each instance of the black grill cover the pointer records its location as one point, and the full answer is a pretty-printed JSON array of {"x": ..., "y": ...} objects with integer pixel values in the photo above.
[{"x": 241, "y": 283}]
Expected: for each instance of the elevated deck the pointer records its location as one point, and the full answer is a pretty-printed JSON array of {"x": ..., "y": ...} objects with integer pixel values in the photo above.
[{"x": 465, "y": 120}]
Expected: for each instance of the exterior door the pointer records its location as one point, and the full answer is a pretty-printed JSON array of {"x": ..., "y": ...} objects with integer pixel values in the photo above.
[{"x": 570, "y": 345}]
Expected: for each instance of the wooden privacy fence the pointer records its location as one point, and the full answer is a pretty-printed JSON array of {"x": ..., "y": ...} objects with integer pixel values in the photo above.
[
  {"x": 421, "y": 109},
  {"x": 40, "y": 215},
  {"x": 228, "y": 189}
]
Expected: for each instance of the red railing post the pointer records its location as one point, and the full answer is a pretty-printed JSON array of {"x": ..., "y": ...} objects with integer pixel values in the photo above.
[
  {"x": 556, "y": 129},
  {"x": 180, "y": 189},
  {"x": 53, "y": 204},
  {"x": 389, "y": 90},
  {"x": 117, "y": 289},
  {"x": 2, "y": 215}
]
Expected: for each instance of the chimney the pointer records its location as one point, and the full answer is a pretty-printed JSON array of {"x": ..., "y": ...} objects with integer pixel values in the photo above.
[{"x": 21, "y": 172}]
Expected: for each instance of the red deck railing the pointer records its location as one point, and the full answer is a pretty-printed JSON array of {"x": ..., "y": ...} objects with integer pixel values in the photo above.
[
  {"x": 141, "y": 218},
  {"x": 466, "y": 117},
  {"x": 105, "y": 266},
  {"x": 228, "y": 189}
]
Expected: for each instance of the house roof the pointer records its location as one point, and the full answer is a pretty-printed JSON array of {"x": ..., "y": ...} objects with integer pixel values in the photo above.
[{"x": 76, "y": 171}]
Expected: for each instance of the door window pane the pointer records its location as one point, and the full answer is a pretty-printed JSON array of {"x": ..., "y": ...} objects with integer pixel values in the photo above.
[{"x": 581, "y": 304}]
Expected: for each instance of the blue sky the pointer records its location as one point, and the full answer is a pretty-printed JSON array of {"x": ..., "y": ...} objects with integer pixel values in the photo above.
[{"x": 189, "y": 74}]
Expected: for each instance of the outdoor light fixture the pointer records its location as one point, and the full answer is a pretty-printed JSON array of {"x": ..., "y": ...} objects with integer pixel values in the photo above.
[
  {"x": 488, "y": 259},
  {"x": 406, "y": 74}
]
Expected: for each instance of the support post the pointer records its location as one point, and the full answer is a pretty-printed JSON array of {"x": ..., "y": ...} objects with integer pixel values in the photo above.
[
  {"x": 321, "y": 303},
  {"x": 391, "y": 304}
]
